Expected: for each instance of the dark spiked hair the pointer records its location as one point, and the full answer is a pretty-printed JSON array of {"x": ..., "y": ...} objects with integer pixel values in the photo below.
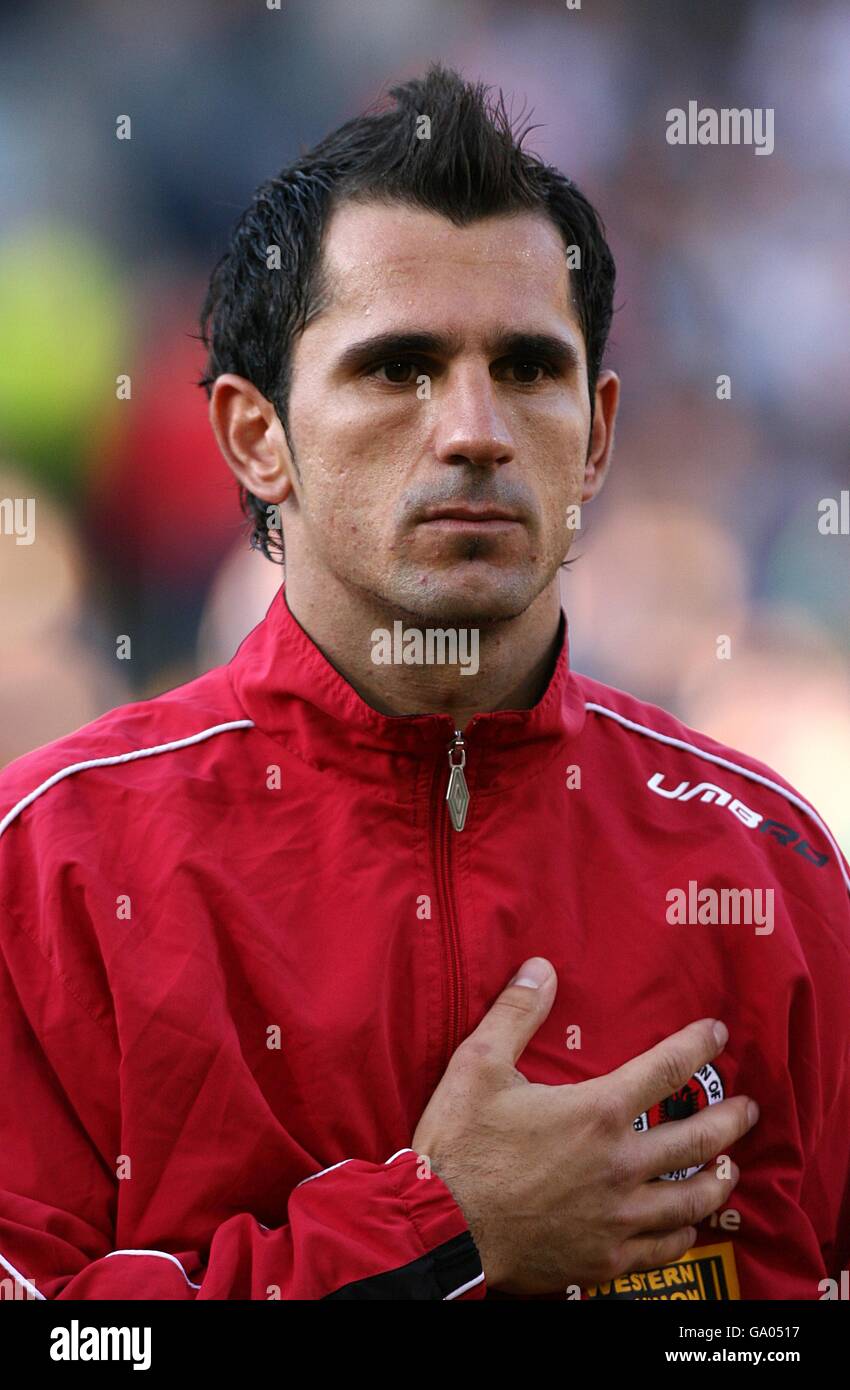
[{"x": 473, "y": 166}]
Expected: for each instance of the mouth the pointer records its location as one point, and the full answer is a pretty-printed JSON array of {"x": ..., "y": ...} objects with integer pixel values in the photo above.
[{"x": 471, "y": 519}]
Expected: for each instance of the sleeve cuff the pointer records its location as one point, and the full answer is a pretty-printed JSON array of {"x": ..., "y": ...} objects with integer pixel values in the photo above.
[{"x": 454, "y": 1262}]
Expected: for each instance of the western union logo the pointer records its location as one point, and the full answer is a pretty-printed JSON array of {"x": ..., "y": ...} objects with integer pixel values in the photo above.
[{"x": 705, "y": 1274}]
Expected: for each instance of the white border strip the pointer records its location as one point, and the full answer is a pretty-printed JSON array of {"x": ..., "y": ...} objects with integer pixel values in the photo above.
[
  {"x": 120, "y": 758},
  {"x": 160, "y": 1255},
  {"x": 479, "y": 1279},
  {"x": 21, "y": 1280},
  {"x": 322, "y": 1172},
  {"x": 733, "y": 767},
  {"x": 347, "y": 1160}
]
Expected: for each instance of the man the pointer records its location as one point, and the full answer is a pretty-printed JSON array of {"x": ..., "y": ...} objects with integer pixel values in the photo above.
[{"x": 327, "y": 976}]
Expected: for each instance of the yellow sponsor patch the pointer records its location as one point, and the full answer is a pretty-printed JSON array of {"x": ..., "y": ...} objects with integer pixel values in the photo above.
[{"x": 704, "y": 1274}]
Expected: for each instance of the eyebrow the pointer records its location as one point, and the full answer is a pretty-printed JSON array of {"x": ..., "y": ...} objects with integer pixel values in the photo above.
[{"x": 561, "y": 351}]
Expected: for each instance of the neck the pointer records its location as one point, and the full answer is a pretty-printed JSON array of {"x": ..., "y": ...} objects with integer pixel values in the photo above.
[{"x": 515, "y": 657}]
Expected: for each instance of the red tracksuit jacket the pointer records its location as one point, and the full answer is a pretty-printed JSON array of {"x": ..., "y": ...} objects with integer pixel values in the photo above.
[{"x": 240, "y": 939}]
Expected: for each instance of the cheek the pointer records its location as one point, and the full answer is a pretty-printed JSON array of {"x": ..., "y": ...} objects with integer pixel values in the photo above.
[
  {"x": 554, "y": 439},
  {"x": 355, "y": 472},
  {"x": 561, "y": 511},
  {"x": 560, "y": 478},
  {"x": 346, "y": 503}
]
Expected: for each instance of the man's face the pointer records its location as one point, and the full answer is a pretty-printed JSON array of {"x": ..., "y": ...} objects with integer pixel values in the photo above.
[{"x": 385, "y": 436}]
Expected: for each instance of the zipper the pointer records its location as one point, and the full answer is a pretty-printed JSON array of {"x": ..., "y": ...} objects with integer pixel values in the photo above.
[
  {"x": 448, "y": 816},
  {"x": 457, "y": 792}
]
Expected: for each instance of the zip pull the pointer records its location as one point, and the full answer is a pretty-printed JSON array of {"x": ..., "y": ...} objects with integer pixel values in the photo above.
[{"x": 457, "y": 792}]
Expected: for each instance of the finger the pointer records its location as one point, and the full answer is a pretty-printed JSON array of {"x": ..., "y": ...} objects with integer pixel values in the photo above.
[
  {"x": 668, "y": 1206},
  {"x": 509, "y": 1025},
  {"x": 654, "y": 1249},
  {"x": 648, "y": 1079},
  {"x": 696, "y": 1140}
]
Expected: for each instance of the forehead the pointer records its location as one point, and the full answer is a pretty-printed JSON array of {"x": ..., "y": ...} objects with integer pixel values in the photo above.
[{"x": 392, "y": 259}]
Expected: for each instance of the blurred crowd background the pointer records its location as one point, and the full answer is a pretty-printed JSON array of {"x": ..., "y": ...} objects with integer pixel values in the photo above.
[{"x": 729, "y": 263}]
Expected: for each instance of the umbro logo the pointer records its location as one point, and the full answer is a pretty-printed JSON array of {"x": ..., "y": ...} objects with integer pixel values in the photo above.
[{"x": 710, "y": 792}]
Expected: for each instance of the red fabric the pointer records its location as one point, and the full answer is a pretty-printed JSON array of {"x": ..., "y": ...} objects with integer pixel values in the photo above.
[{"x": 162, "y": 915}]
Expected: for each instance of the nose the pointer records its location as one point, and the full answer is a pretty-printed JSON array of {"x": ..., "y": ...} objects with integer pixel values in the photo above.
[{"x": 471, "y": 427}]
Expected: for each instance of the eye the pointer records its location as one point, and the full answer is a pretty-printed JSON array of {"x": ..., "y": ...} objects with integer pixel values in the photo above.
[
  {"x": 404, "y": 366},
  {"x": 522, "y": 364}
]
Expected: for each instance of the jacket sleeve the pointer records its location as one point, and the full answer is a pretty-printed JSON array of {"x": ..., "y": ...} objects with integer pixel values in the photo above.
[
  {"x": 818, "y": 1060},
  {"x": 355, "y": 1230},
  {"x": 827, "y": 1185}
]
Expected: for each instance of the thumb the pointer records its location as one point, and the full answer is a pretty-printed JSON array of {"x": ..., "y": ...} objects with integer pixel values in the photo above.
[{"x": 510, "y": 1024}]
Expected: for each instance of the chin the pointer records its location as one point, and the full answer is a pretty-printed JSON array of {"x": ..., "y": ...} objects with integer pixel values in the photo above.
[{"x": 453, "y": 600}]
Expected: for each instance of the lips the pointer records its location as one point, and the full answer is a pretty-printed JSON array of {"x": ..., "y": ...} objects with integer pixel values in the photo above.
[{"x": 470, "y": 514}]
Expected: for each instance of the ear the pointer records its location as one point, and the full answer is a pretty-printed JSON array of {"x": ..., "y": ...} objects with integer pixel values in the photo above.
[
  {"x": 601, "y": 443},
  {"x": 251, "y": 438}
]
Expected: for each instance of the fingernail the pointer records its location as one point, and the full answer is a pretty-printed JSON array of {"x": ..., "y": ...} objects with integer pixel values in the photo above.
[
  {"x": 752, "y": 1111},
  {"x": 533, "y": 974},
  {"x": 721, "y": 1033}
]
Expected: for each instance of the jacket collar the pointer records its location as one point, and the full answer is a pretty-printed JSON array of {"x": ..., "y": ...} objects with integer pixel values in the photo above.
[{"x": 294, "y": 695}]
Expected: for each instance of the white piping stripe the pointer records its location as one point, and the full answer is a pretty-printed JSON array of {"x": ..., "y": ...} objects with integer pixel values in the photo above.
[
  {"x": 348, "y": 1160},
  {"x": 21, "y": 1280},
  {"x": 121, "y": 758},
  {"x": 733, "y": 767},
  {"x": 479, "y": 1278},
  {"x": 324, "y": 1170},
  {"x": 160, "y": 1255}
]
